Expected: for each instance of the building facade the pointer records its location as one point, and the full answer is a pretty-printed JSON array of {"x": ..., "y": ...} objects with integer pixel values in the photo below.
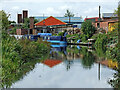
[{"x": 107, "y": 22}]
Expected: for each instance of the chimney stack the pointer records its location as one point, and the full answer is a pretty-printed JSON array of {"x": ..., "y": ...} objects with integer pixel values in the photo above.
[
  {"x": 19, "y": 18},
  {"x": 25, "y": 14},
  {"x": 31, "y": 22}
]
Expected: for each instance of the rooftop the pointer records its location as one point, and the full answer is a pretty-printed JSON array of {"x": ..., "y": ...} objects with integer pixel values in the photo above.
[
  {"x": 107, "y": 15},
  {"x": 50, "y": 21},
  {"x": 64, "y": 19},
  {"x": 92, "y": 18}
]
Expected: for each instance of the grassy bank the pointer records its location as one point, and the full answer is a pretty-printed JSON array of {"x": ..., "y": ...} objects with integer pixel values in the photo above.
[{"x": 19, "y": 57}]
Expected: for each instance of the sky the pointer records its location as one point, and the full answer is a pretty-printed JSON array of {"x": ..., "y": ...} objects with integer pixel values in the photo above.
[{"x": 84, "y": 8}]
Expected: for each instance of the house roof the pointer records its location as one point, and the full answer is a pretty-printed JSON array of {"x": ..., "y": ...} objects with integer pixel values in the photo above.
[
  {"x": 63, "y": 19},
  {"x": 93, "y": 18},
  {"x": 50, "y": 21},
  {"x": 51, "y": 63},
  {"x": 109, "y": 15}
]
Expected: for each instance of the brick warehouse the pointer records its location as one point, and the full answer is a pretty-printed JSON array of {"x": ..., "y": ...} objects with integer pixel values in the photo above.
[{"x": 107, "y": 22}]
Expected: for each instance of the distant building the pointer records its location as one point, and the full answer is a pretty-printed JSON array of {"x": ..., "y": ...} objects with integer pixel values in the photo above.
[
  {"x": 73, "y": 20},
  {"x": 93, "y": 19},
  {"x": 19, "y": 18},
  {"x": 107, "y": 16},
  {"x": 107, "y": 22},
  {"x": 51, "y": 25},
  {"x": 25, "y": 14}
]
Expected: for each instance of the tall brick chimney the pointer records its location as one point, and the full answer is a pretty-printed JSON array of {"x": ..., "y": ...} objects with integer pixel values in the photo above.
[
  {"x": 25, "y": 14},
  {"x": 19, "y": 18},
  {"x": 31, "y": 22}
]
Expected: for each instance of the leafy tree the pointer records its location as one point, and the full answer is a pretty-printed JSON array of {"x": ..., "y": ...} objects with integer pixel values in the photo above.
[
  {"x": 26, "y": 23},
  {"x": 4, "y": 20},
  {"x": 88, "y": 29},
  {"x": 35, "y": 21},
  {"x": 68, "y": 14},
  {"x": 11, "y": 22}
]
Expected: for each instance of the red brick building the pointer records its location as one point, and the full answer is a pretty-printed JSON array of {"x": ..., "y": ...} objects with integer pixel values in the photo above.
[{"x": 106, "y": 23}]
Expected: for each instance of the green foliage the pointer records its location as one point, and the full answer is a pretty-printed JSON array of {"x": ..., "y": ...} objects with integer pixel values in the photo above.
[
  {"x": 4, "y": 19},
  {"x": 88, "y": 58},
  {"x": 112, "y": 53},
  {"x": 76, "y": 37},
  {"x": 88, "y": 29},
  {"x": 19, "y": 57},
  {"x": 13, "y": 31},
  {"x": 101, "y": 41},
  {"x": 35, "y": 21},
  {"x": 68, "y": 14},
  {"x": 26, "y": 23},
  {"x": 60, "y": 34},
  {"x": 10, "y": 22}
]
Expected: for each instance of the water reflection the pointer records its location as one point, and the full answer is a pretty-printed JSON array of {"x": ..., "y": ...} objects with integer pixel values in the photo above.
[{"x": 69, "y": 66}]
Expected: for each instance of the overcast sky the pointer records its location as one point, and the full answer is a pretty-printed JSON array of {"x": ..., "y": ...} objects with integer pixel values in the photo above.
[{"x": 82, "y": 8}]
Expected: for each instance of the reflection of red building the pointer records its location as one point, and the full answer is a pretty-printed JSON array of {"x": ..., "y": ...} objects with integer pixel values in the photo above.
[{"x": 51, "y": 63}]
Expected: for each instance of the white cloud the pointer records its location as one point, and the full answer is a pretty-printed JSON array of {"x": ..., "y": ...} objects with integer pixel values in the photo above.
[
  {"x": 15, "y": 8},
  {"x": 91, "y": 10},
  {"x": 60, "y": 0},
  {"x": 65, "y": 7},
  {"x": 50, "y": 8},
  {"x": 51, "y": 11}
]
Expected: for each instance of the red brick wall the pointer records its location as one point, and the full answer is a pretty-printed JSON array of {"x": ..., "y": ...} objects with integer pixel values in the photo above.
[
  {"x": 25, "y": 14},
  {"x": 104, "y": 25},
  {"x": 21, "y": 31},
  {"x": 18, "y": 31},
  {"x": 31, "y": 22},
  {"x": 19, "y": 18}
]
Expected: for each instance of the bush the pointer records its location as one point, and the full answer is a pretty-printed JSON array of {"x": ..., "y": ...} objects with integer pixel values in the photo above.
[
  {"x": 19, "y": 57},
  {"x": 88, "y": 29},
  {"x": 101, "y": 41}
]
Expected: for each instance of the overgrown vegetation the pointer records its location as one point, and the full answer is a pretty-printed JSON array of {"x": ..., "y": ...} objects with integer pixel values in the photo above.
[
  {"x": 19, "y": 56},
  {"x": 19, "y": 53},
  {"x": 88, "y": 30}
]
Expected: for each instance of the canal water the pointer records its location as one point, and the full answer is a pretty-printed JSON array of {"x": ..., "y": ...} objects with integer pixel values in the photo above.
[{"x": 68, "y": 67}]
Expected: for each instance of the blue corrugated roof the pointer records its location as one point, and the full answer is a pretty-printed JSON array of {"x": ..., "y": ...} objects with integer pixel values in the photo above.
[
  {"x": 106, "y": 15},
  {"x": 64, "y": 19}
]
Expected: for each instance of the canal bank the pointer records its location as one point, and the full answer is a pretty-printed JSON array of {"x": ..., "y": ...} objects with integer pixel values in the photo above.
[{"x": 76, "y": 68}]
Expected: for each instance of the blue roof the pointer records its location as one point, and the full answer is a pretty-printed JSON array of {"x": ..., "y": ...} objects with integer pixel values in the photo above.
[
  {"x": 107, "y": 15},
  {"x": 45, "y": 34},
  {"x": 64, "y": 19}
]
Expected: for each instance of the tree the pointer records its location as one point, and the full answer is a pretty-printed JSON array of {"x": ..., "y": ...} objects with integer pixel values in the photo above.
[
  {"x": 27, "y": 23},
  {"x": 69, "y": 14},
  {"x": 4, "y": 20},
  {"x": 10, "y": 22},
  {"x": 88, "y": 29},
  {"x": 35, "y": 21}
]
